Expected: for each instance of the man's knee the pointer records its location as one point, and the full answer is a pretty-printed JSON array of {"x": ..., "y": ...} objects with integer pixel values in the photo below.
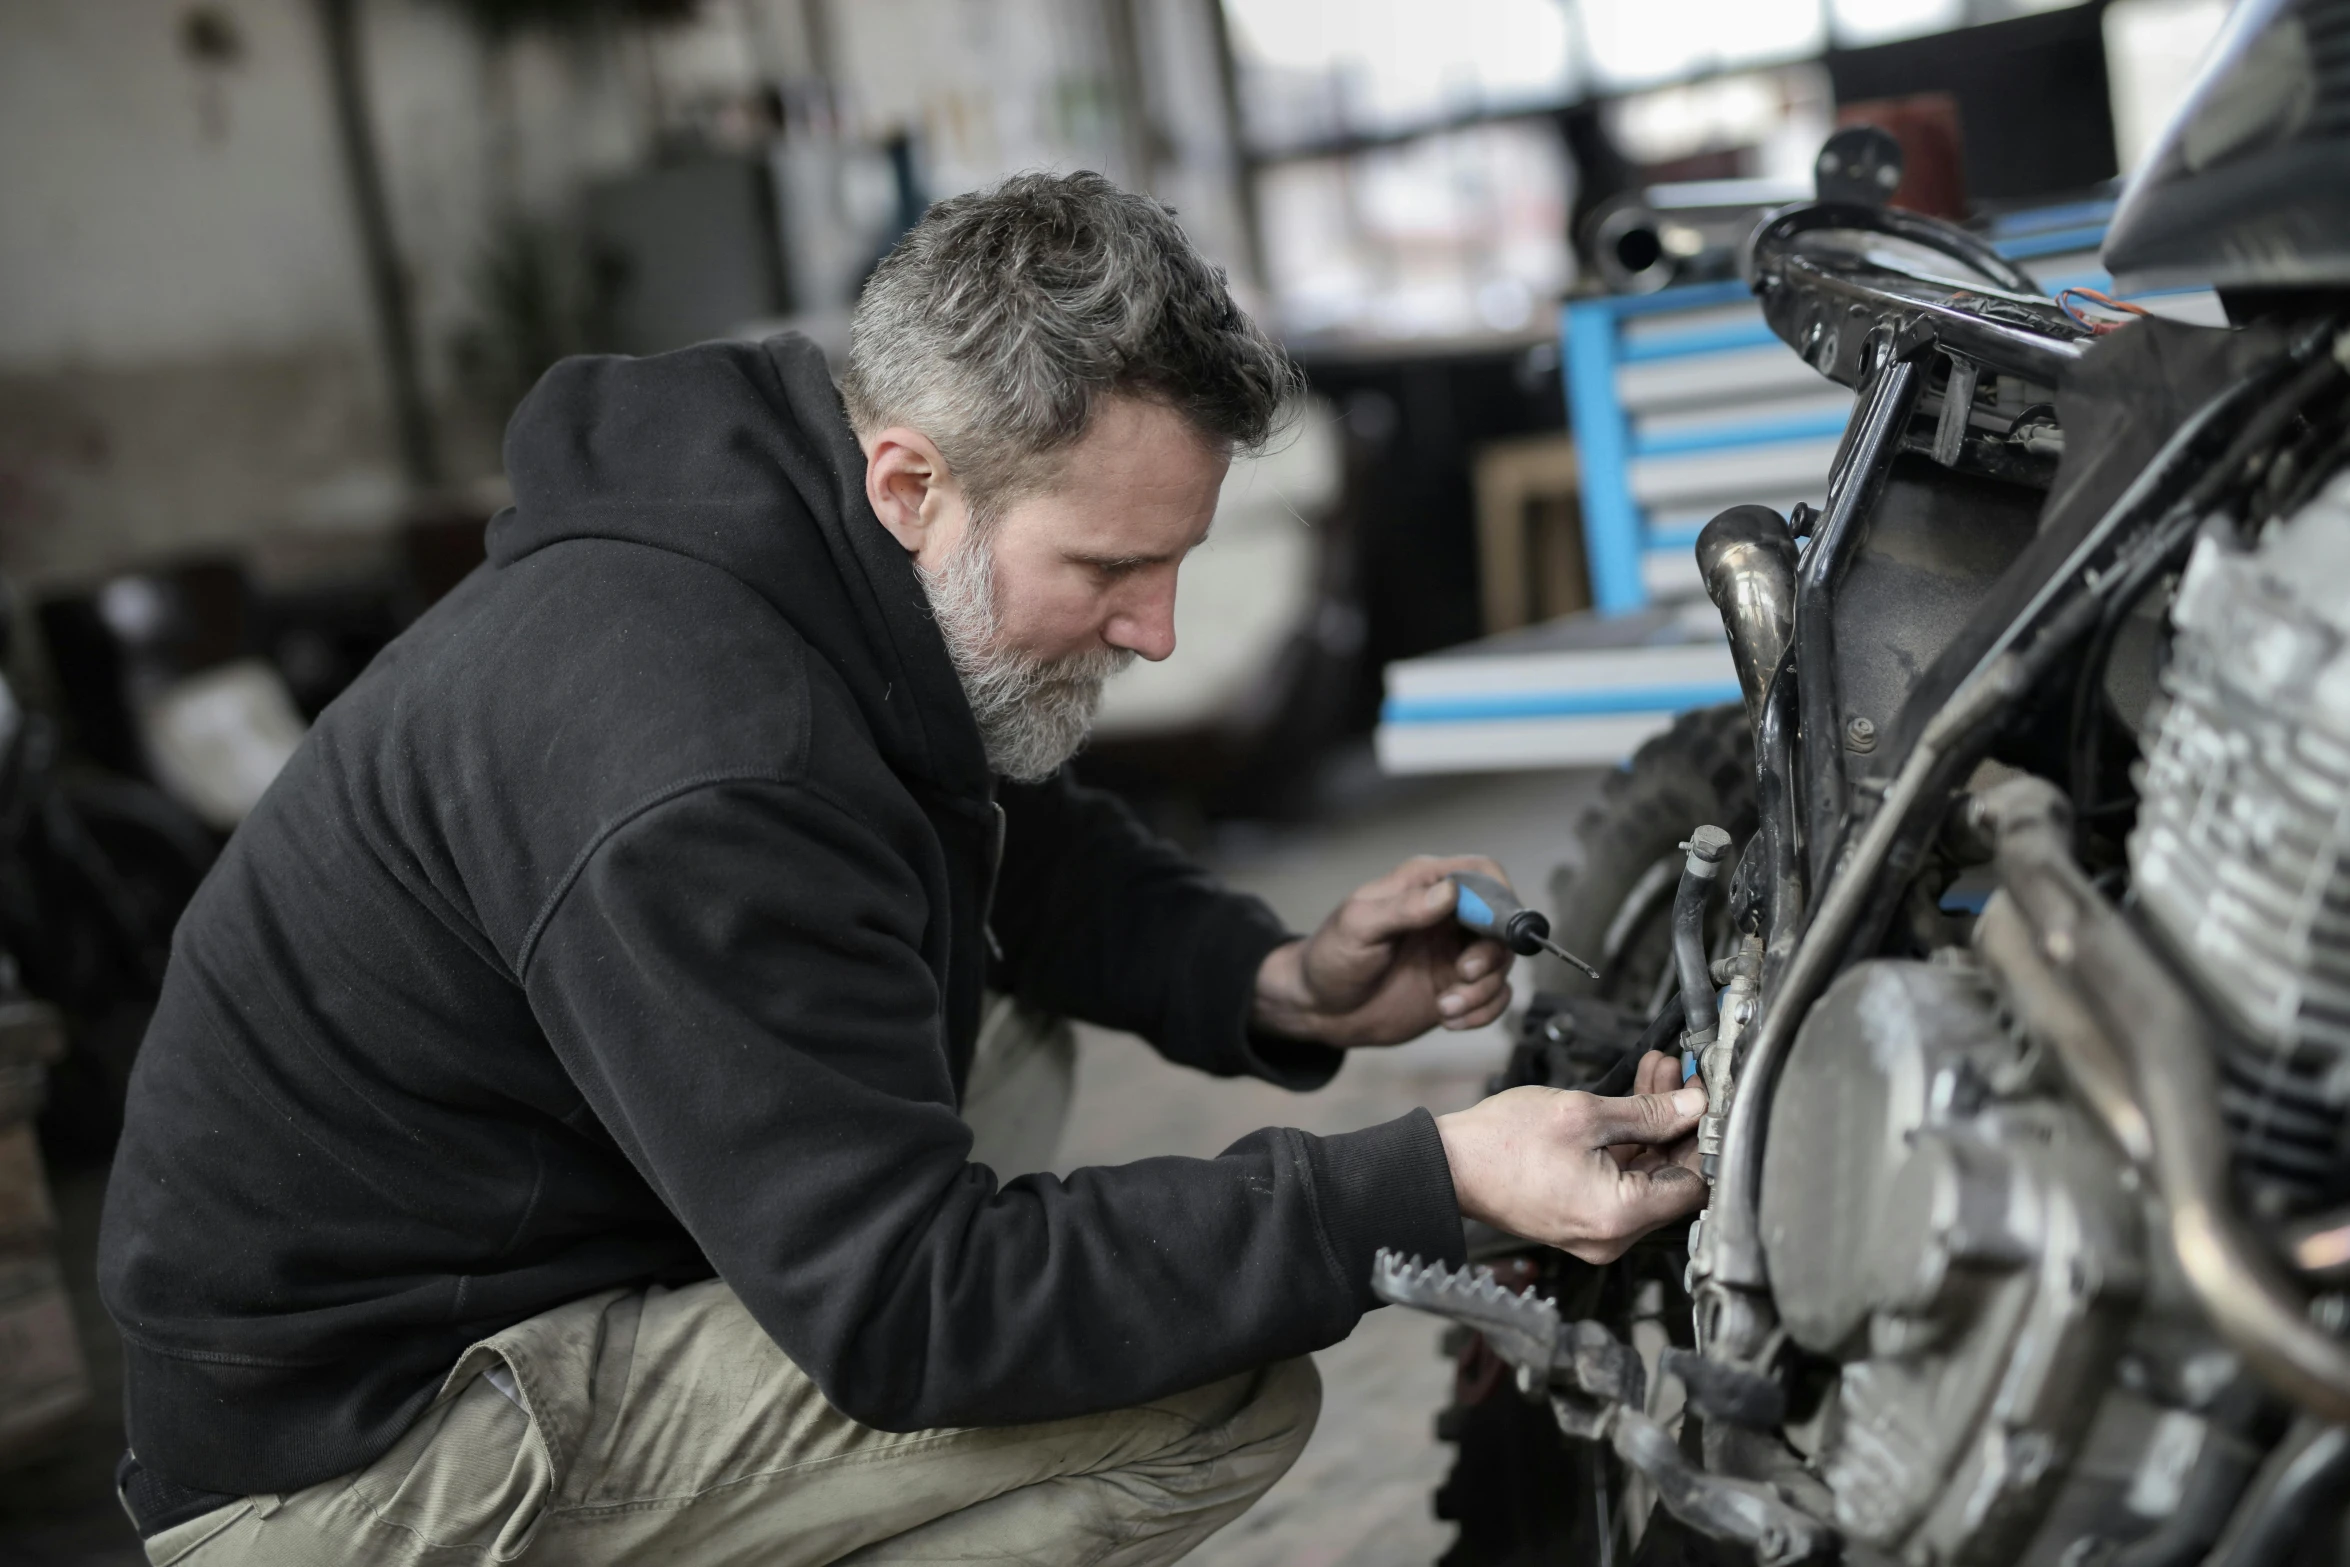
[
  {"x": 1263, "y": 1437},
  {"x": 1292, "y": 1396}
]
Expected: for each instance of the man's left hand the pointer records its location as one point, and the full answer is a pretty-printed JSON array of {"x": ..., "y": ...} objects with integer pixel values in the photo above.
[{"x": 1387, "y": 965}]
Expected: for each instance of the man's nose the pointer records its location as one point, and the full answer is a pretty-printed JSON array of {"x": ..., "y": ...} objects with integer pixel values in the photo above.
[{"x": 1146, "y": 625}]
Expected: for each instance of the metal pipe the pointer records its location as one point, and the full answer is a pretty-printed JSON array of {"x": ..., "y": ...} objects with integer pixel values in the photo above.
[
  {"x": 1957, "y": 324},
  {"x": 1874, "y": 436},
  {"x": 2208, "y": 1499},
  {"x": 2055, "y": 1018},
  {"x": 1747, "y": 557},
  {"x": 2158, "y": 1028},
  {"x": 1773, "y": 245},
  {"x": 1733, "y": 1242},
  {"x": 1706, "y": 846},
  {"x": 1778, "y": 830},
  {"x": 2301, "y": 1478},
  {"x": 2320, "y": 1245},
  {"x": 1243, "y": 168}
]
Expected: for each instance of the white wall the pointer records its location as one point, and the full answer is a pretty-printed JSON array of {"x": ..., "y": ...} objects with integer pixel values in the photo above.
[
  {"x": 154, "y": 210},
  {"x": 994, "y": 87},
  {"x": 469, "y": 133},
  {"x": 188, "y": 356}
]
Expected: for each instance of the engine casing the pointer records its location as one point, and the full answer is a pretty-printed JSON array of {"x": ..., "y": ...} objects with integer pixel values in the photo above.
[
  {"x": 1943, "y": 1220},
  {"x": 2241, "y": 858}
]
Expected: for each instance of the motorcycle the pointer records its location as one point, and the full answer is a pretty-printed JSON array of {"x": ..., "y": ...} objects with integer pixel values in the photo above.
[{"x": 2006, "y": 920}]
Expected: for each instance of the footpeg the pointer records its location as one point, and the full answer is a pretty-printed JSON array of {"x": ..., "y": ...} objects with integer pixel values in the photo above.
[
  {"x": 1597, "y": 1389},
  {"x": 1524, "y": 1329}
]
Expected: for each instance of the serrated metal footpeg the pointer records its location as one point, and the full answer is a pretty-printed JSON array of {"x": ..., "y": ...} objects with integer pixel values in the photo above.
[
  {"x": 1522, "y": 1327},
  {"x": 1597, "y": 1389}
]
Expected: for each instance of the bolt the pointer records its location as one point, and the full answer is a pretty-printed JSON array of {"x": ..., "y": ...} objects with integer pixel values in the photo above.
[
  {"x": 1860, "y": 735},
  {"x": 1708, "y": 843}
]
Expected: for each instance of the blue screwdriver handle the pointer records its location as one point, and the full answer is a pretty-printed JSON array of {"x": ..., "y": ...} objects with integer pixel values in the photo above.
[{"x": 1486, "y": 905}]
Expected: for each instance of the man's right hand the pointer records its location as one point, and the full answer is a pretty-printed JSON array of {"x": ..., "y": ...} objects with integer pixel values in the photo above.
[{"x": 1572, "y": 1170}]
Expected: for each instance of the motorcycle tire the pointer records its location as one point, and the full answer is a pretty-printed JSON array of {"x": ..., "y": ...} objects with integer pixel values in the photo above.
[
  {"x": 1519, "y": 1491},
  {"x": 1613, "y": 901},
  {"x": 1515, "y": 1490}
]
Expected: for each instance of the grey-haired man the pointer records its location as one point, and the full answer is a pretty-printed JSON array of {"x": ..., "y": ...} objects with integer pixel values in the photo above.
[{"x": 547, "y": 1146}]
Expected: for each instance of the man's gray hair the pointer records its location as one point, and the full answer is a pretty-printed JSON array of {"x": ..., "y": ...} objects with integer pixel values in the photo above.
[{"x": 1001, "y": 320}]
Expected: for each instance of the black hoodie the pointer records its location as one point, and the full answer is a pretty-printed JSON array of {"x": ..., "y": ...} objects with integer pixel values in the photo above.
[{"x": 626, "y": 922}]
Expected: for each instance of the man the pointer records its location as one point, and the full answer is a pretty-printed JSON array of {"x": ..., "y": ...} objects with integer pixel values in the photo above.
[{"x": 547, "y": 1146}]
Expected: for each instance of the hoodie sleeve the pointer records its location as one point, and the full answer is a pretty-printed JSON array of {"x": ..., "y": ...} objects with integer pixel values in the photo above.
[
  {"x": 736, "y": 981},
  {"x": 1100, "y": 919}
]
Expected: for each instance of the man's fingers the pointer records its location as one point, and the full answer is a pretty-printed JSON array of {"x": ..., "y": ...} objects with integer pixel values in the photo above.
[
  {"x": 1654, "y": 1197},
  {"x": 1648, "y": 1118},
  {"x": 1458, "y": 1001},
  {"x": 1485, "y": 1011},
  {"x": 1413, "y": 896},
  {"x": 1481, "y": 957},
  {"x": 1549, "y": 1164},
  {"x": 1658, "y": 1073},
  {"x": 1644, "y": 1197}
]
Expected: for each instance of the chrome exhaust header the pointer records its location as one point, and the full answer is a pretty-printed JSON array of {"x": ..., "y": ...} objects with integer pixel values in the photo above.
[{"x": 1747, "y": 556}]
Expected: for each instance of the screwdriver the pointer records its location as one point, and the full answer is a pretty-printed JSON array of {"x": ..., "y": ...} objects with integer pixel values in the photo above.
[{"x": 1485, "y": 906}]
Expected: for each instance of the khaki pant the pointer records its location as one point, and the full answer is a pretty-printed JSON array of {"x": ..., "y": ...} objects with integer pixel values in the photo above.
[{"x": 664, "y": 1426}]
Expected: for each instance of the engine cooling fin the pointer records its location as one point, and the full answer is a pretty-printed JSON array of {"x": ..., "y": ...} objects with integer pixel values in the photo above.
[{"x": 2241, "y": 856}]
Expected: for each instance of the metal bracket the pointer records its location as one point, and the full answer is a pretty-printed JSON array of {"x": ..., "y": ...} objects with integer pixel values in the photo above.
[
  {"x": 1732, "y": 1394},
  {"x": 1958, "y": 401},
  {"x": 1745, "y": 1511}
]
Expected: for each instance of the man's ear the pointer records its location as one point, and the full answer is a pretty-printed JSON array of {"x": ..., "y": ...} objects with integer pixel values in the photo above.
[{"x": 907, "y": 486}]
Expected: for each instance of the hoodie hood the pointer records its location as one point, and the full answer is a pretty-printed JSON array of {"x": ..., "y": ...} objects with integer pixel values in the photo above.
[{"x": 741, "y": 456}]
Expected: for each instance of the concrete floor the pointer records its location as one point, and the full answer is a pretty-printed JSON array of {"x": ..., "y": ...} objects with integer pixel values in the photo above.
[{"x": 1359, "y": 1495}]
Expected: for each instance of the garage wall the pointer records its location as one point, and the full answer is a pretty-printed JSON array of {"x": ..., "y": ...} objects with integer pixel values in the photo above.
[
  {"x": 188, "y": 359},
  {"x": 187, "y": 356}
]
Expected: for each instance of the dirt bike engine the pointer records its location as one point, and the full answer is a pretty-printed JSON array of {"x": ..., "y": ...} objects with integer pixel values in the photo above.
[
  {"x": 1950, "y": 1226},
  {"x": 2241, "y": 858}
]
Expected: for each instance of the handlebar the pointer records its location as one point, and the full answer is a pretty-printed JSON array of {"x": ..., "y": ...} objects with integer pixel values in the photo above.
[{"x": 1825, "y": 288}]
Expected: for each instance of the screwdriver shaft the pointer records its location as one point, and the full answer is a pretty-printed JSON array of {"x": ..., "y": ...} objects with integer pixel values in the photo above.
[{"x": 1561, "y": 953}]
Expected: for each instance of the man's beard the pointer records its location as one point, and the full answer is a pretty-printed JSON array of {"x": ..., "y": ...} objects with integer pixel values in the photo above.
[{"x": 1033, "y": 713}]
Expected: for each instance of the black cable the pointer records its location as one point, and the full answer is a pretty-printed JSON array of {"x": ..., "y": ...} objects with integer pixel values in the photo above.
[
  {"x": 2087, "y": 719},
  {"x": 1617, "y": 1080},
  {"x": 2335, "y": 454}
]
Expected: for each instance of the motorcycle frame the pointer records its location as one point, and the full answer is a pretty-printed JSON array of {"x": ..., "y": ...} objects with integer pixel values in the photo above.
[{"x": 1803, "y": 795}]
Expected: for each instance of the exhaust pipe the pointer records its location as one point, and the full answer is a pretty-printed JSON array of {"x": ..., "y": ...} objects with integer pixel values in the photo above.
[
  {"x": 2154, "y": 1028},
  {"x": 1748, "y": 560},
  {"x": 1688, "y": 231}
]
